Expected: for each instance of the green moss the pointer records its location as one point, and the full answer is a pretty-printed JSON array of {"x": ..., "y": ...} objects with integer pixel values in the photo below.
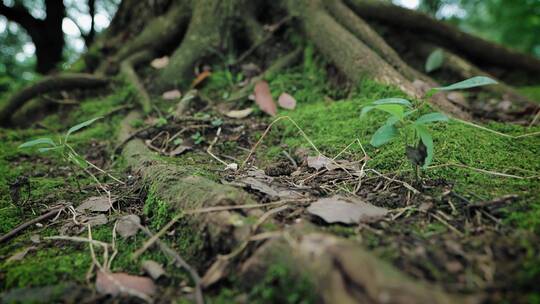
[
  {"x": 279, "y": 285},
  {"x": 532, "y": 92},
  {"x": 46, "y": 266},
  {"x": 159, "y": 211}
]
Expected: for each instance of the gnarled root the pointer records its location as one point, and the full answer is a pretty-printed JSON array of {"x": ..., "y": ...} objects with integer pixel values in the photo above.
[
  {"x": 476, "y": 49},
  {"x": 46, "y": 85},
  {"x": 203, "y": 36},
  {"x": 342, "y": 271}
]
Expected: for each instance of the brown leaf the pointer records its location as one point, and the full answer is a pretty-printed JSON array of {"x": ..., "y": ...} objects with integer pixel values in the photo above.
[
  {"x": 96, "y": 203},
  {"x": 153, "y": 269},
  {"x": 263, "y": 98},
  {"x": 171, "y": 95},
  {"x": 200, "y": 78},
  {"x": 127, "y": 225},
  {"x": 160, "y": 63},
  {"x": 320, "y": 161},
  {"x": 337, "y": 209},
  {"x": 239, "y": 114},
  {"x": 97, "y": 220},
  {"x": 122, "y": 283},
  {"x": 179, "y": 150},
  {"x": 258, "y": 180},
  {"x": 286, "y": 101}
]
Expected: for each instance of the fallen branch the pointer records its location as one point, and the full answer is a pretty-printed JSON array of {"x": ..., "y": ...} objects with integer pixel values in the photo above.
[{"x": 51, "y": 213}]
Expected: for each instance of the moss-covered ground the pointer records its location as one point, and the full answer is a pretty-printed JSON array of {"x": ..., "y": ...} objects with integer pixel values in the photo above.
[{"x": 330, "y": 116}]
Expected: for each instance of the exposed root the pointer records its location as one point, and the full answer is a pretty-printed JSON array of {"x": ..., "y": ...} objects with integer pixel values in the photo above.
[
  {"x": 353, "y": 57},
  {"x": 161, "y": 31},
  {"x": 46, "y": 85},
  {"x": 476, "y": 49},
  {"x": 342, "y": 271},
  {"x": 364, "y": 32},
  {"x": 127, "y": 68},
  {"x": 204, "y": 36},
  {"x": 466, "y": 69}
]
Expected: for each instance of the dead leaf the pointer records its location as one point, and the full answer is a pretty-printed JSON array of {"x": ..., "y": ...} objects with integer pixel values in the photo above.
[
  {"x": 128, "y": 225},
  {"x": 263, "y": 98},
  {"x": 96, "y": 203},
  {"x": 258, "y": 180},
  {"x": 337, "y": 209},
  {"x": 179, "y": 150},
  {"x": 122, "y": 283},
  {"x": 171, "y": 95},
  {"x": 286, "y": 101},
  {"x": 153, "y": 269},
  {"x": 200, "y": 78},
  {"x": 97, "y": 220},
  {"x": 318, "y": 162},
  {"x": 239, "y": 114},
  {"x": 160, "y": 63},
  {"x": 21, "y": 254}
]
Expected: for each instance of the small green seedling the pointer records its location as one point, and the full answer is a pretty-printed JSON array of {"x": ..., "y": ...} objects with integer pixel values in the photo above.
[
  {"x": 62, "y": 146},
  {"x": 401, "y": 122}
]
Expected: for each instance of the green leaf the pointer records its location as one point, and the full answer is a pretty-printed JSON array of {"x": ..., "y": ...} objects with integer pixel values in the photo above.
[
  {"x": 434, "y": 61},
  {"x": 77, "y": 127},
  {"x": 366, "y": 110},
  {"x": 383, "y": 135},
  {"x": 394, "y": 109},
  {"x": 39, "y": 141},
  {"x": 431, "y": 117},
  {"x": 469, "y": 83},
  {"x": 400, "y": 101},
  {"x": 426, "y": 138},
  {"x": 43, "y": 150}
]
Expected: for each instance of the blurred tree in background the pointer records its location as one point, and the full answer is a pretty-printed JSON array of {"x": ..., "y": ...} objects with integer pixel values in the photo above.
[
  {"x": 514, "y": 23},
  {"x": 30, "y": 27}
]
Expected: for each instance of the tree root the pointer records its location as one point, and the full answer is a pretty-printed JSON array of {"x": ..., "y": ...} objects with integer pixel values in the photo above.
[
  {"x": 161, "y": 31},
  {"x": 342, "y": 271},
  {"x": 348, "y": 273},
  {"x": 176, "y": 186},
  {"x": 476, "y": 49},
  {"x": 203, "y": 36},
  {"x": 364, "y": 32},
  {"x": 466, "y": 69},
  {"x": 46, "y": 85},
  {"x": 353, "y": 57},
  {"x": 127, "y": 68}
]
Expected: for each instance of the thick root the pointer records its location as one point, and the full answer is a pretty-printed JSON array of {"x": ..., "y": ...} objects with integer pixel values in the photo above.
[
  {"x": 127, "y": 68},
  {"x": 162, "y": 30},
  {"x": 474, "y": 48},
  {"x": 364, "y": 32},
  {"x": 204, "y": 36},
  {"x": 354, "y": 58},
  {"x": 46, "y": 85},
  {"x": 342, "y": 271}
]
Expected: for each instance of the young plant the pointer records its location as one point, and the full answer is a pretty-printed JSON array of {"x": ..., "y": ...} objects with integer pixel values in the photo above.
[
  {"x": 64, "y": 149},
  {"x": 400, "y": 121}
]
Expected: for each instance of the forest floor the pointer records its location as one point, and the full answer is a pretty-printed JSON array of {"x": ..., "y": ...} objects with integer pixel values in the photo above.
[{"x": 470, "y": 225}]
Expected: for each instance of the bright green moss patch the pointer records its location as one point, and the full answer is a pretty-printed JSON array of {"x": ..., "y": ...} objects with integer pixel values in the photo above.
[
  {"x": 532, "y": 92},
  {"x": 279, "y": 285}
]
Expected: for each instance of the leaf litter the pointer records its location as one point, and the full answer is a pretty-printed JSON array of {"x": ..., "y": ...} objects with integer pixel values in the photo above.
[{"x": 338, "y": 209}]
